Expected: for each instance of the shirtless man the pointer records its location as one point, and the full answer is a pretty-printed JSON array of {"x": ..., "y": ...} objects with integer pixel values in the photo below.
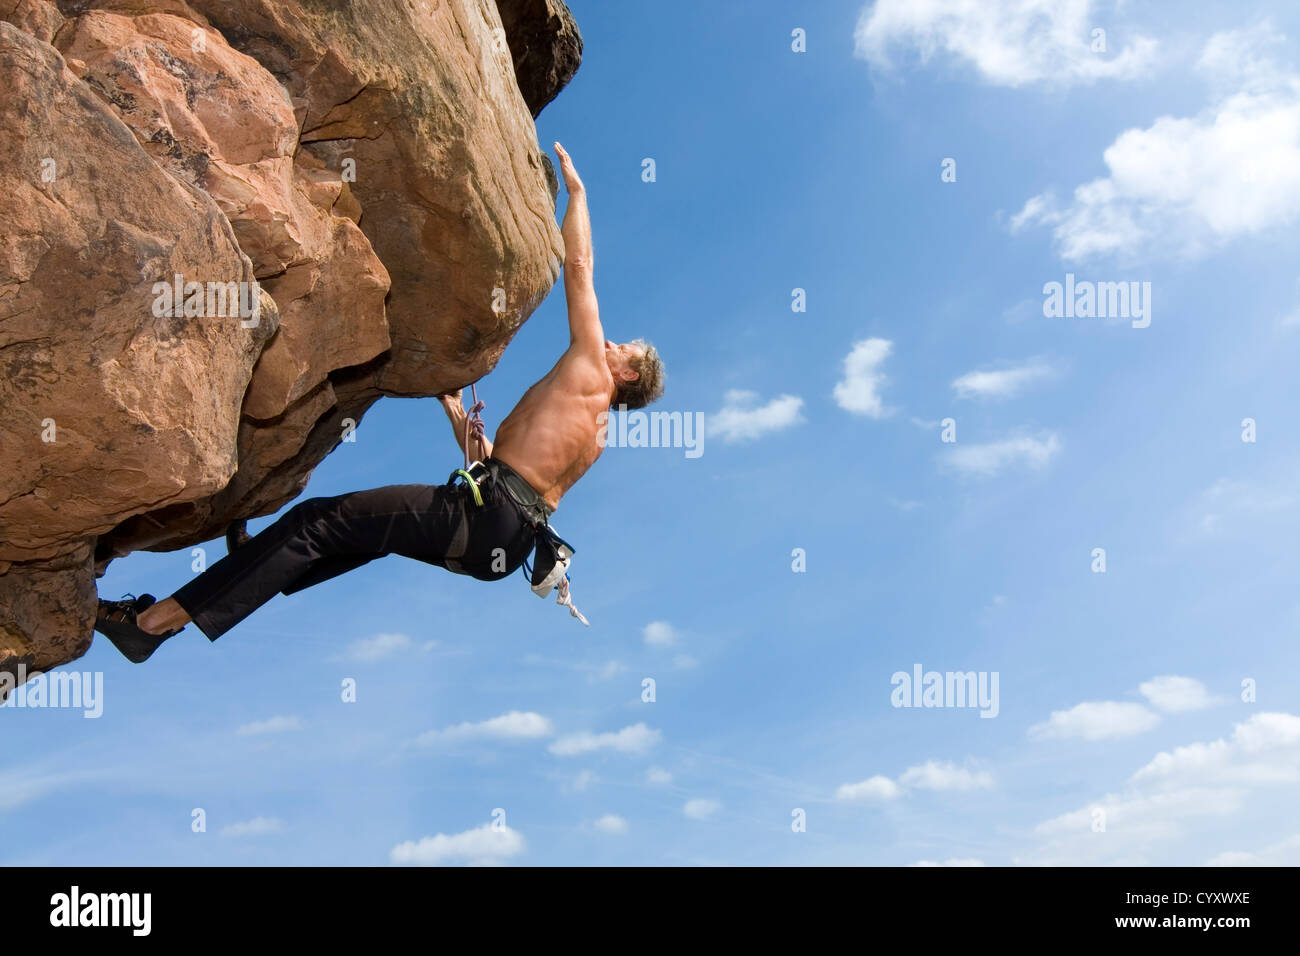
[{"x": 484, "y": 523}]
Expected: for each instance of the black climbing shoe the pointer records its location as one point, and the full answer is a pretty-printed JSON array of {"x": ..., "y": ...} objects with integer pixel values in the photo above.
[
  {"x": 237, "y": 536},
  {"x": 116, "y": 621}
]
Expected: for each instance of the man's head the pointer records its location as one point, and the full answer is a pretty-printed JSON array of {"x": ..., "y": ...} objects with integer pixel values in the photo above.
[{"x": 638, "y": 373}]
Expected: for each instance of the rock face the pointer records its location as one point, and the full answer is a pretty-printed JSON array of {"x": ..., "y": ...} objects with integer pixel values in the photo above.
[{"x": 226, "y": 229}]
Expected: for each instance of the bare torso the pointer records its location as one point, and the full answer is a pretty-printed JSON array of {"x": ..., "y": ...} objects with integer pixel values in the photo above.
[{"x": 553, "y": 435}]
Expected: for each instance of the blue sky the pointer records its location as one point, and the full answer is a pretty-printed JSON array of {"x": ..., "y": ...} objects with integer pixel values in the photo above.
[{"x": 1171, "y": 157}]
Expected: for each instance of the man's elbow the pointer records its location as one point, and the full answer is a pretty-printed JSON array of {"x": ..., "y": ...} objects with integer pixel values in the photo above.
[{"x": 578, "y": 267}]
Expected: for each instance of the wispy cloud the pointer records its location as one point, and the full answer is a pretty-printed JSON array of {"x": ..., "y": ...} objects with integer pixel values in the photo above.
[
  {"x": 1005, "y": 382},
  {"x": 954, "y": 861},
  {"x": 937, "y": 775},
  {"x": 700, "y": 808},
  {"x": 1285, "y": 853},
  {"x": 877, "y": 789},
  {"x": 742, "y": 418},
  {"x": 1229, "y": 503},
  {"x": 19, "y": 787},
  {"x": 1007, "y": 42},
  {"x": 611, "y": 823},
  {"x": 992, "y": 458},
  {"x": 659, "y": 634},
  {"x": 274, "y": 725},
  {"x": 258, "y": 826},
  {"x": 377, "y": 647},
  {"x": 858, "y": 391},
  {"x": 484, "y": 845},
  {"x": 515, "y": 725},
  {"x": 636, "y": 739},
  {"x": 931, "y": 775}
]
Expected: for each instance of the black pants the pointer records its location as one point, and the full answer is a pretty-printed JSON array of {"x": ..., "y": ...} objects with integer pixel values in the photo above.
[{"x": 321, "y": 538}]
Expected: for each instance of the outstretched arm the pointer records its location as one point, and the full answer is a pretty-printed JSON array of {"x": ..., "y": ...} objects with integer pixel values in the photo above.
[
  {"x": 454, "y": 406},
  {"x": 585, "y": 331}
]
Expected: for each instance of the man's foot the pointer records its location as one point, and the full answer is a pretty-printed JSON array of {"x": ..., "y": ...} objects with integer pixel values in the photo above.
[
  {"x": 116, "y": 620},
  {"x": 237, "y": 536}
]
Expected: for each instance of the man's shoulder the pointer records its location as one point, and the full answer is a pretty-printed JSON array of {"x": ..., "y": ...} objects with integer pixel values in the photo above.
[{"x": 581, "y": 366}]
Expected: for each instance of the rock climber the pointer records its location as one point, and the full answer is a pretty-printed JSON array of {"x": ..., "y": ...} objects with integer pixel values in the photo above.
[{"x": 483, "y": 522}]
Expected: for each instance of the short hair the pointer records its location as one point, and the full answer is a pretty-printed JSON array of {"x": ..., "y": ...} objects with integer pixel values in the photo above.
[{"x": 648, "y": 386}]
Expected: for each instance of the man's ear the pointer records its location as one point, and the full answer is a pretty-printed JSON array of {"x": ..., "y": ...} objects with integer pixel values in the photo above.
[{"x": 628, "y": 374}]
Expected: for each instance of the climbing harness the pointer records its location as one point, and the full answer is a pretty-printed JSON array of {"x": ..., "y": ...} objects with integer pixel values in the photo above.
[{"x": 551, "y": 572}]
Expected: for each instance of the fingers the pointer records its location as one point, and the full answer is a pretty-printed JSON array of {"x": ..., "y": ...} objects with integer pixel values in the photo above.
[
  {"x": 571, "y": 178},
  {"x": 566, "y": 162}
]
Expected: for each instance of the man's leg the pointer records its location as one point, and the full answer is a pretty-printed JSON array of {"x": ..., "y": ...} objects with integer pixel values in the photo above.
[{"x": 311, "y": 536}]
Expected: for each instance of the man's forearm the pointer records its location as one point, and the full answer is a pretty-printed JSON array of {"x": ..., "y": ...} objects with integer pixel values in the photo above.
[
  {"x": 457, "y": 415},
  {"x": 576, "y": 231},
  {"x": 579, "y": 285}
]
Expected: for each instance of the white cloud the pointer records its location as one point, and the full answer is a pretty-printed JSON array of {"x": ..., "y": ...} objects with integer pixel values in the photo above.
[
  {"x": 258, "y": 826},
  {"x": 684, "y": 662},
  {"x": 1096, "y": 720},
  {"x": 875, "y": 788},
  {"x": 934, "y": 775},
  {"x": 482, "y": 845},
  {"x": 658, "y": 777},
  {"x": 1002, "y": 383},
  {"x": 515, "y": 725},
  {"x": 377, "y": 647},
  {"x": 584, "y": 779},
  {"x": 991, "y": 458},
  {"x": 1176, "y": 694},
  {"x": 1285, "y": 853},
  {"x": 606, "y": 671},
  {"x": 1291, "y": 318},
  {"x": 274, "y": 725},
  {"x": 741, "y": 418},
  {"x": 701, "y": 809},
  {"x": 859, "y": 390},
  {"x": 635, "y": 739},
  {"x": 1008, "y": 42},
  {"x": 1175, "y": 789},
  {"x": 1229, "y": 504},
  {"x": 931, "y": 775},
  {"x": 611, "y": 823},
  {"x": 19, "y": 787},
  {"x": 1265, "y": 748},
  {"x": 659, "y": 634},
  {"x": 1188, "y": 185},
  {"x": 954, "y": 861}
]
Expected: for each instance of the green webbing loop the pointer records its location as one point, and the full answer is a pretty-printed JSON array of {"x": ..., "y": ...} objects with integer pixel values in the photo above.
[{"x": 473, "y": 486}]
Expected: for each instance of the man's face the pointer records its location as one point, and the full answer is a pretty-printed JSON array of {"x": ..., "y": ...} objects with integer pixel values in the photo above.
[{"x": 621, "y": 357}]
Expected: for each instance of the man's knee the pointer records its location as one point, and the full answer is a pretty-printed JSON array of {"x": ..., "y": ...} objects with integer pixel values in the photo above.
[{"x": 312, "y": 509}]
